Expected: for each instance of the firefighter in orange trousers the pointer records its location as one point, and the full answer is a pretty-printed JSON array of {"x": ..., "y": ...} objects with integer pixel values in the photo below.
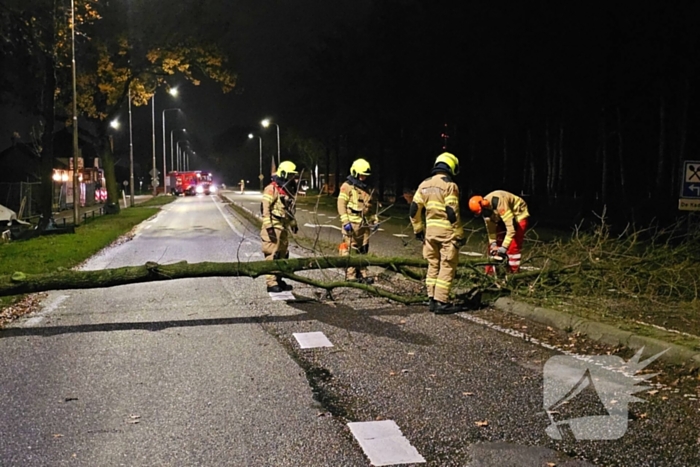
[
  {"x": 354, "y": 204},
  {"x": 505, "y": 215},
  {"x": 278, "y": 219},
  {"x": 442, "y": 235}
]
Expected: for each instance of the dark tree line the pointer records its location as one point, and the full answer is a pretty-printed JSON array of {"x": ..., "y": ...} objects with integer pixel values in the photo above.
[{"x": 575, "y": 105}]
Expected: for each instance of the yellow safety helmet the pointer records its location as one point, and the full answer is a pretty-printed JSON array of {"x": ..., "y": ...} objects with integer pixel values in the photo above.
[
  {"x": 450, "y": 160},
  {"x": 285, "y": 169},
  {"x": 360, "y": 167}
]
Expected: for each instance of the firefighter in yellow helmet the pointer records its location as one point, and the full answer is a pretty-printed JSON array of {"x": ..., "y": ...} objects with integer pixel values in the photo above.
[
  {"x": 442, "y": 234},
  {"x": 278, "y": 212},
  {"x": 354, "y": 205},
  {"x": 505, "y": 215}
]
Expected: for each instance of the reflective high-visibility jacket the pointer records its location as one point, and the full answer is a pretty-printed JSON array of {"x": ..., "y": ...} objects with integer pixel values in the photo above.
[
  {"x": 354, "y": 204},
  {"x": 439, "y": 196},
  {"x": 506, "y": 207},
  {"x": 277, "y": 207}
]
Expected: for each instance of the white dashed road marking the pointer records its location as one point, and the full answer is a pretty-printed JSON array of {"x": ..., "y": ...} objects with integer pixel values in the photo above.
[
  {"x": 322, "y": 225},
  {"x": 384, "y": 444},
  {"x": 312, "y": 340}
]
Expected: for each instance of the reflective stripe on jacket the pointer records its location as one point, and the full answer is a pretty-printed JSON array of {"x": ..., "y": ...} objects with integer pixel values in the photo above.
[
  {"x": 506, "y": 207},
  {"x": 354, "y": 204},
  {"x": 439, "y": 196},
  {"x": 276, "y": 211}
]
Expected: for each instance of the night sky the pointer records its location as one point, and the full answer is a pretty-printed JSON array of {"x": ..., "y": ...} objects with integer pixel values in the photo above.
[{"x": 589, "y": 101}]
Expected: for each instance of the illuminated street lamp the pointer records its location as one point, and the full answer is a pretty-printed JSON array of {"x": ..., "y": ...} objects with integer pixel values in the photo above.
[
  {"x": 266, "y": 123},
  {"x": 251, "y": 136}
]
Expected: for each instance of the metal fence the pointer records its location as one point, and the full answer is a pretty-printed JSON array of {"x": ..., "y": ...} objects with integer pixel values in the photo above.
[{"x": 22, "y": 197}]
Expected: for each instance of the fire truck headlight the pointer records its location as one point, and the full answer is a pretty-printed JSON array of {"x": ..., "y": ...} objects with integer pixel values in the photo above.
[
  {"x": 212, "y": 189},
  {"x": 199, "y": 189}
]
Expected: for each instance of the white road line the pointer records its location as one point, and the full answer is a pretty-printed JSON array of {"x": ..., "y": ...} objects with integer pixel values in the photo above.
[
  {"x": 384, "y": 444},
  {"x": 39, "y": 317},
  {"x": 227, "y": 220},
  {"x": 312, "y": 340},
  {"x": 322, "y": 225},
  {"x": 400, "y": 235}
]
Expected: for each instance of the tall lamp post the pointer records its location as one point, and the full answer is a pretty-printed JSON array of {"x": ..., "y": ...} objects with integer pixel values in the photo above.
[
  {"x": 154, "y": 173},
  {"x": 131, "y": 155},
  {"x": 184, "y": 167},
  {"x": 260, "y": 176},
  {"x": 173, "y": 92},
  {"x": 76, "y": 181},
  {"x": 266, "y": 123},
  {"x": 172, "y": 163}
]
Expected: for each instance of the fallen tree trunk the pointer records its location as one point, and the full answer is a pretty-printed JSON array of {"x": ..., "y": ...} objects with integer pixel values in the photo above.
[{"x": 20, "y": 283}]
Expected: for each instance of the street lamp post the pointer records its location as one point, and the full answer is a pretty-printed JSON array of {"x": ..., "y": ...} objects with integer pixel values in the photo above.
[
  {"x": 172, "y": 163},
  {"x": 182, "y": 152},
  {"x": 76, "y": 182},
  {"x": 154, "y": 173},
  {"x": 260, "y": 176},
  {"x": 266, "y": 123},
  {"x": 165, "y": 172},
  {"x": 131, "y": 156},
  {"x": 154, "y": 177}
]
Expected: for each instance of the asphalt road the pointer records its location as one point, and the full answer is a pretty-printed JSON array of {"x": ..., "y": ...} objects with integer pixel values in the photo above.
[{"x": 208, "y": 372}]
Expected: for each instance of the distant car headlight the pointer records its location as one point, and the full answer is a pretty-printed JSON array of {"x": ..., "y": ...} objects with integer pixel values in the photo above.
[
  {"x": 212, "y": 189},
  {"x": 199, "y": 189}
]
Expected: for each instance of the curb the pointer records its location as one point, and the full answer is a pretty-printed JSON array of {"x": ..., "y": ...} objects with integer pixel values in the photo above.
[{"x": 605, "y": 333}]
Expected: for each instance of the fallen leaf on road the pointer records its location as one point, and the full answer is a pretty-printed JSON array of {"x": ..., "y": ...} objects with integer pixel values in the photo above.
[
  {"x": 467, "y": 393},
  {"x": 403, "y": 321},
  {"x": 392, "y": 373},
  {"x": 58, "y": 435},
  {"x": 134, "y": 417},
  {"x": 643, "y": 415},
  {"x": 409, "y": 353},
  {"x": 551, "y": 464},
  {"x": 482, "y": 423},
  {"x": 651, "y": 393}
]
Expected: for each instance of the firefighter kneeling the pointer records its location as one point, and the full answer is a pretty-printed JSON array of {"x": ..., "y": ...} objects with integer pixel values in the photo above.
[
  {"x": 354, "y": 204},
  {"x": 505, "y": 215},
  {"x": 278, "y": 212},
  {"x": 443, "y": 235}
]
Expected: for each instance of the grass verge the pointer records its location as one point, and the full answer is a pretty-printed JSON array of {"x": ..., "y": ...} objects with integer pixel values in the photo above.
[{"x": 49, "y": 252}]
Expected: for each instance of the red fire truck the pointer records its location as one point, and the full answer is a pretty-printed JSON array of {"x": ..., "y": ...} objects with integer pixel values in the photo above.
[{"x": 190, "y": 183}]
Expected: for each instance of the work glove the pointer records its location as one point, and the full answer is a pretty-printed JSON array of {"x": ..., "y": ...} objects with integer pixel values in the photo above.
[
  {"x": 460, "y": 242},
  {"x": 501, "y": 254},
  {"x": 347, "y": 227},
  {"x": 493, "y": 248},
  {"x": 420, "y": 236},
  {"x": 272, "y": 234},
  {"x": 374, "y": 227},
  {"x": 294, "y": 227}
]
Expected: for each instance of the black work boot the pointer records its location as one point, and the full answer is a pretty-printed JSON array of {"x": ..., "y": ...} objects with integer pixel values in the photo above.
[
  {"x": 274, "y": 289},
  {"x": 431, "y": 304},
  {"x": 284, "y": 286},
  {"x": 442, "y": 308}
]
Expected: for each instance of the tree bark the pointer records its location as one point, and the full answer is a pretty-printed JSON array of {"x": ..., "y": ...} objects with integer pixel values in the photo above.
[{"x": 20, "y": 283}]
